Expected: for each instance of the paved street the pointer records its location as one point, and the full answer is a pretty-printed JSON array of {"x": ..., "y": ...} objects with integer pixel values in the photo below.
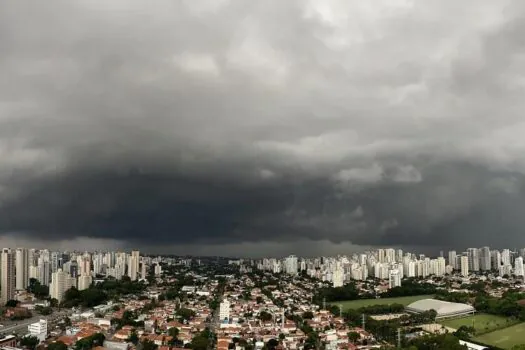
[{"x": 20, "y": 327}]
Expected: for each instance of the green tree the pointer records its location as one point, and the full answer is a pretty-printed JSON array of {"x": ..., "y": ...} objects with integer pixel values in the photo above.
[
  {"x": 265, "y": 316},
  {"x": 353, "y": 337},
  {"x": 465, "y": 332},
  {"x": 173, "y": 332},
  {"x": 133, "y": 337},
  {"x": 29, "y": 342},
  {"x": 186, "y": 314},
  {"x": 308, "y": 315},
  {"x": 87, "y": 343},
  {"x": 272, "y": 344},
  {"x": 199, "y": 342},
  {"x": 58, "y": 345},
  {"x": 11, "y": 303},
  {"x": 147, "y": 344}
]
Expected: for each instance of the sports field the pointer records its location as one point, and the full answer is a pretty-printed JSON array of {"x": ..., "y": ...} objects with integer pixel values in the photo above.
[
  {"x": 356, "y": 304},
  {"x": 483, "y": 323},
  {"x": 505, "y": 338}
]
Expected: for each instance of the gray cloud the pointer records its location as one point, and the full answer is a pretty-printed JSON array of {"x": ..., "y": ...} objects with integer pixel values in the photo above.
[{"x": 219, "y": 123}]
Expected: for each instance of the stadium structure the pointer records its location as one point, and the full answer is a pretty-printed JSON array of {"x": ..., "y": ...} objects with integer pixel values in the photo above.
[{"x": 444, "y": 309}]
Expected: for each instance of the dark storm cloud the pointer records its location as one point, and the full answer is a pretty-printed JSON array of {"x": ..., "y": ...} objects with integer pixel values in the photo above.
[{"x": 232, "y": 122}]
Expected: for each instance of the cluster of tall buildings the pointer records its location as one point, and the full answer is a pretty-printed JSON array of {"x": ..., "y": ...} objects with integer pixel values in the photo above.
[
  {"x": 394, "y": 265},
  {"x": 473, "y": 260},
  {"x": 387, "y": 264},
  {"x": 62, "y": 270}
]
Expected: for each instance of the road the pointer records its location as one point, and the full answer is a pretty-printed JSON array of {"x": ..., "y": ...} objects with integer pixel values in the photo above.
[{"x": 20, "y": 327}]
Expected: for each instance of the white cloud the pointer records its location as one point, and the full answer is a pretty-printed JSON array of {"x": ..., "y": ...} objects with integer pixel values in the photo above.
[{"x": 372, "y": 174}]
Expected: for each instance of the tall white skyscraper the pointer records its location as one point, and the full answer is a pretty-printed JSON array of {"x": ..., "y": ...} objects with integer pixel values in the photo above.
[
  {"x": 338, "y": 276},
  {"x": 464, "y": 265},
  {"x": 158, "y": 269},
  {"x": 291, "y": 265},
  {"x": 440, "y": 267},
  {"x": 484, "y": 259},
  {"x": 473, "y": 259},
  {"x": 390, "y": 255},
  {"x": 452, "y": 259},
  {"x": 8, "y": 276},
  {"x": 22, "y": 268},
  {"x": 60, "y": 282},
  {"x": 394, "y": 278},
  {"x": 518, "y": 267},
  {"x": 143, "y": 271},
  {"x": 496, "y": 259},
  {"x": 381, "y": 255},
  {"x": 224, "y": 310},
  {"x": 133, "y": 265},
  {"x": 505, "y": 257}
]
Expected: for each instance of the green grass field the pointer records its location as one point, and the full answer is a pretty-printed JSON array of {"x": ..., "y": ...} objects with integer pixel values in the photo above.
[
  {"x": 483, "y": 323},
  {"x": 356, "y": 304},
  {"x": 505, "y": 338}
]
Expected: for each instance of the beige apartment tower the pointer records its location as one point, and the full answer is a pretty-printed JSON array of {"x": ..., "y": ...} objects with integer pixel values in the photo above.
[{"x": 8, "y": 276}]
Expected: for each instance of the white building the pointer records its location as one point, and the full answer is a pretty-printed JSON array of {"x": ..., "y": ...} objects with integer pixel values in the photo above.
[
  {"x": 505, "y": 270},
  {"x": 133, "y": 265},
  {"x": 464, "y": 266},
  {"x": 496, "y": 259},
  {"x": 338, "y": 276},
  {"x": 518, "y": 267},
  {"x": 452, "y": 259},
  {"x": 143, "y": 271},
  {"x": 224, "y": 310},
  {"x": 473, "y": 259},
  {"x": 7, "y": 284},
  {"x": 22, "y": 268},
  {"x": 394, "y": 278},
  {"x": 440, "y": 267},
  {"x": 158, "y": 269},
  {"x": 505, "y": 257},
  {"x": 60, "y": 282},
  {"x": 291, "y": 265},
  {"x": 38, "y": 330},
  {"x": 84, "y": 281}
]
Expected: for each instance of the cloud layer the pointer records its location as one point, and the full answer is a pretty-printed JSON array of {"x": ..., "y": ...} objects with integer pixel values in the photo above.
[{"x": 219, "y": 123}]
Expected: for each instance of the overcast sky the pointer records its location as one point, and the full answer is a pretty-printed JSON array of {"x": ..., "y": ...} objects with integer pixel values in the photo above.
[{"x": 262, "y": 127}]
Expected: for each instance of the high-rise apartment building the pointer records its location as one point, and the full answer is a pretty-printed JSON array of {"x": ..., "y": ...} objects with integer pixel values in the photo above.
[
  {"x": 338, "y": 276},
  {"x": 381, "y": 255},
  {"x": 224, "y": 310},
  {"x": 440, "y": 267},
  {"x": 143, "y": 271},
  {"x": 505, "y": 257},
  {"x": 452, "y": 259},
  {"x": 518, "y": 267},
  {"x": 464, "y": 265},
  {"x": 390, "y": 255},
  {"x": 133, "y": 265},
  {"x": 484, "y": 259},
  {"x": 290, "y": 265},
  {"x": 473, "y": 259},
  {"x": 21, "y": 268},
  {"x": 496, "y": 259},
  {"x": 60, "y": 282},
  {"x": 394, "y": 279},
  {"x": 8, "y": 276}
]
